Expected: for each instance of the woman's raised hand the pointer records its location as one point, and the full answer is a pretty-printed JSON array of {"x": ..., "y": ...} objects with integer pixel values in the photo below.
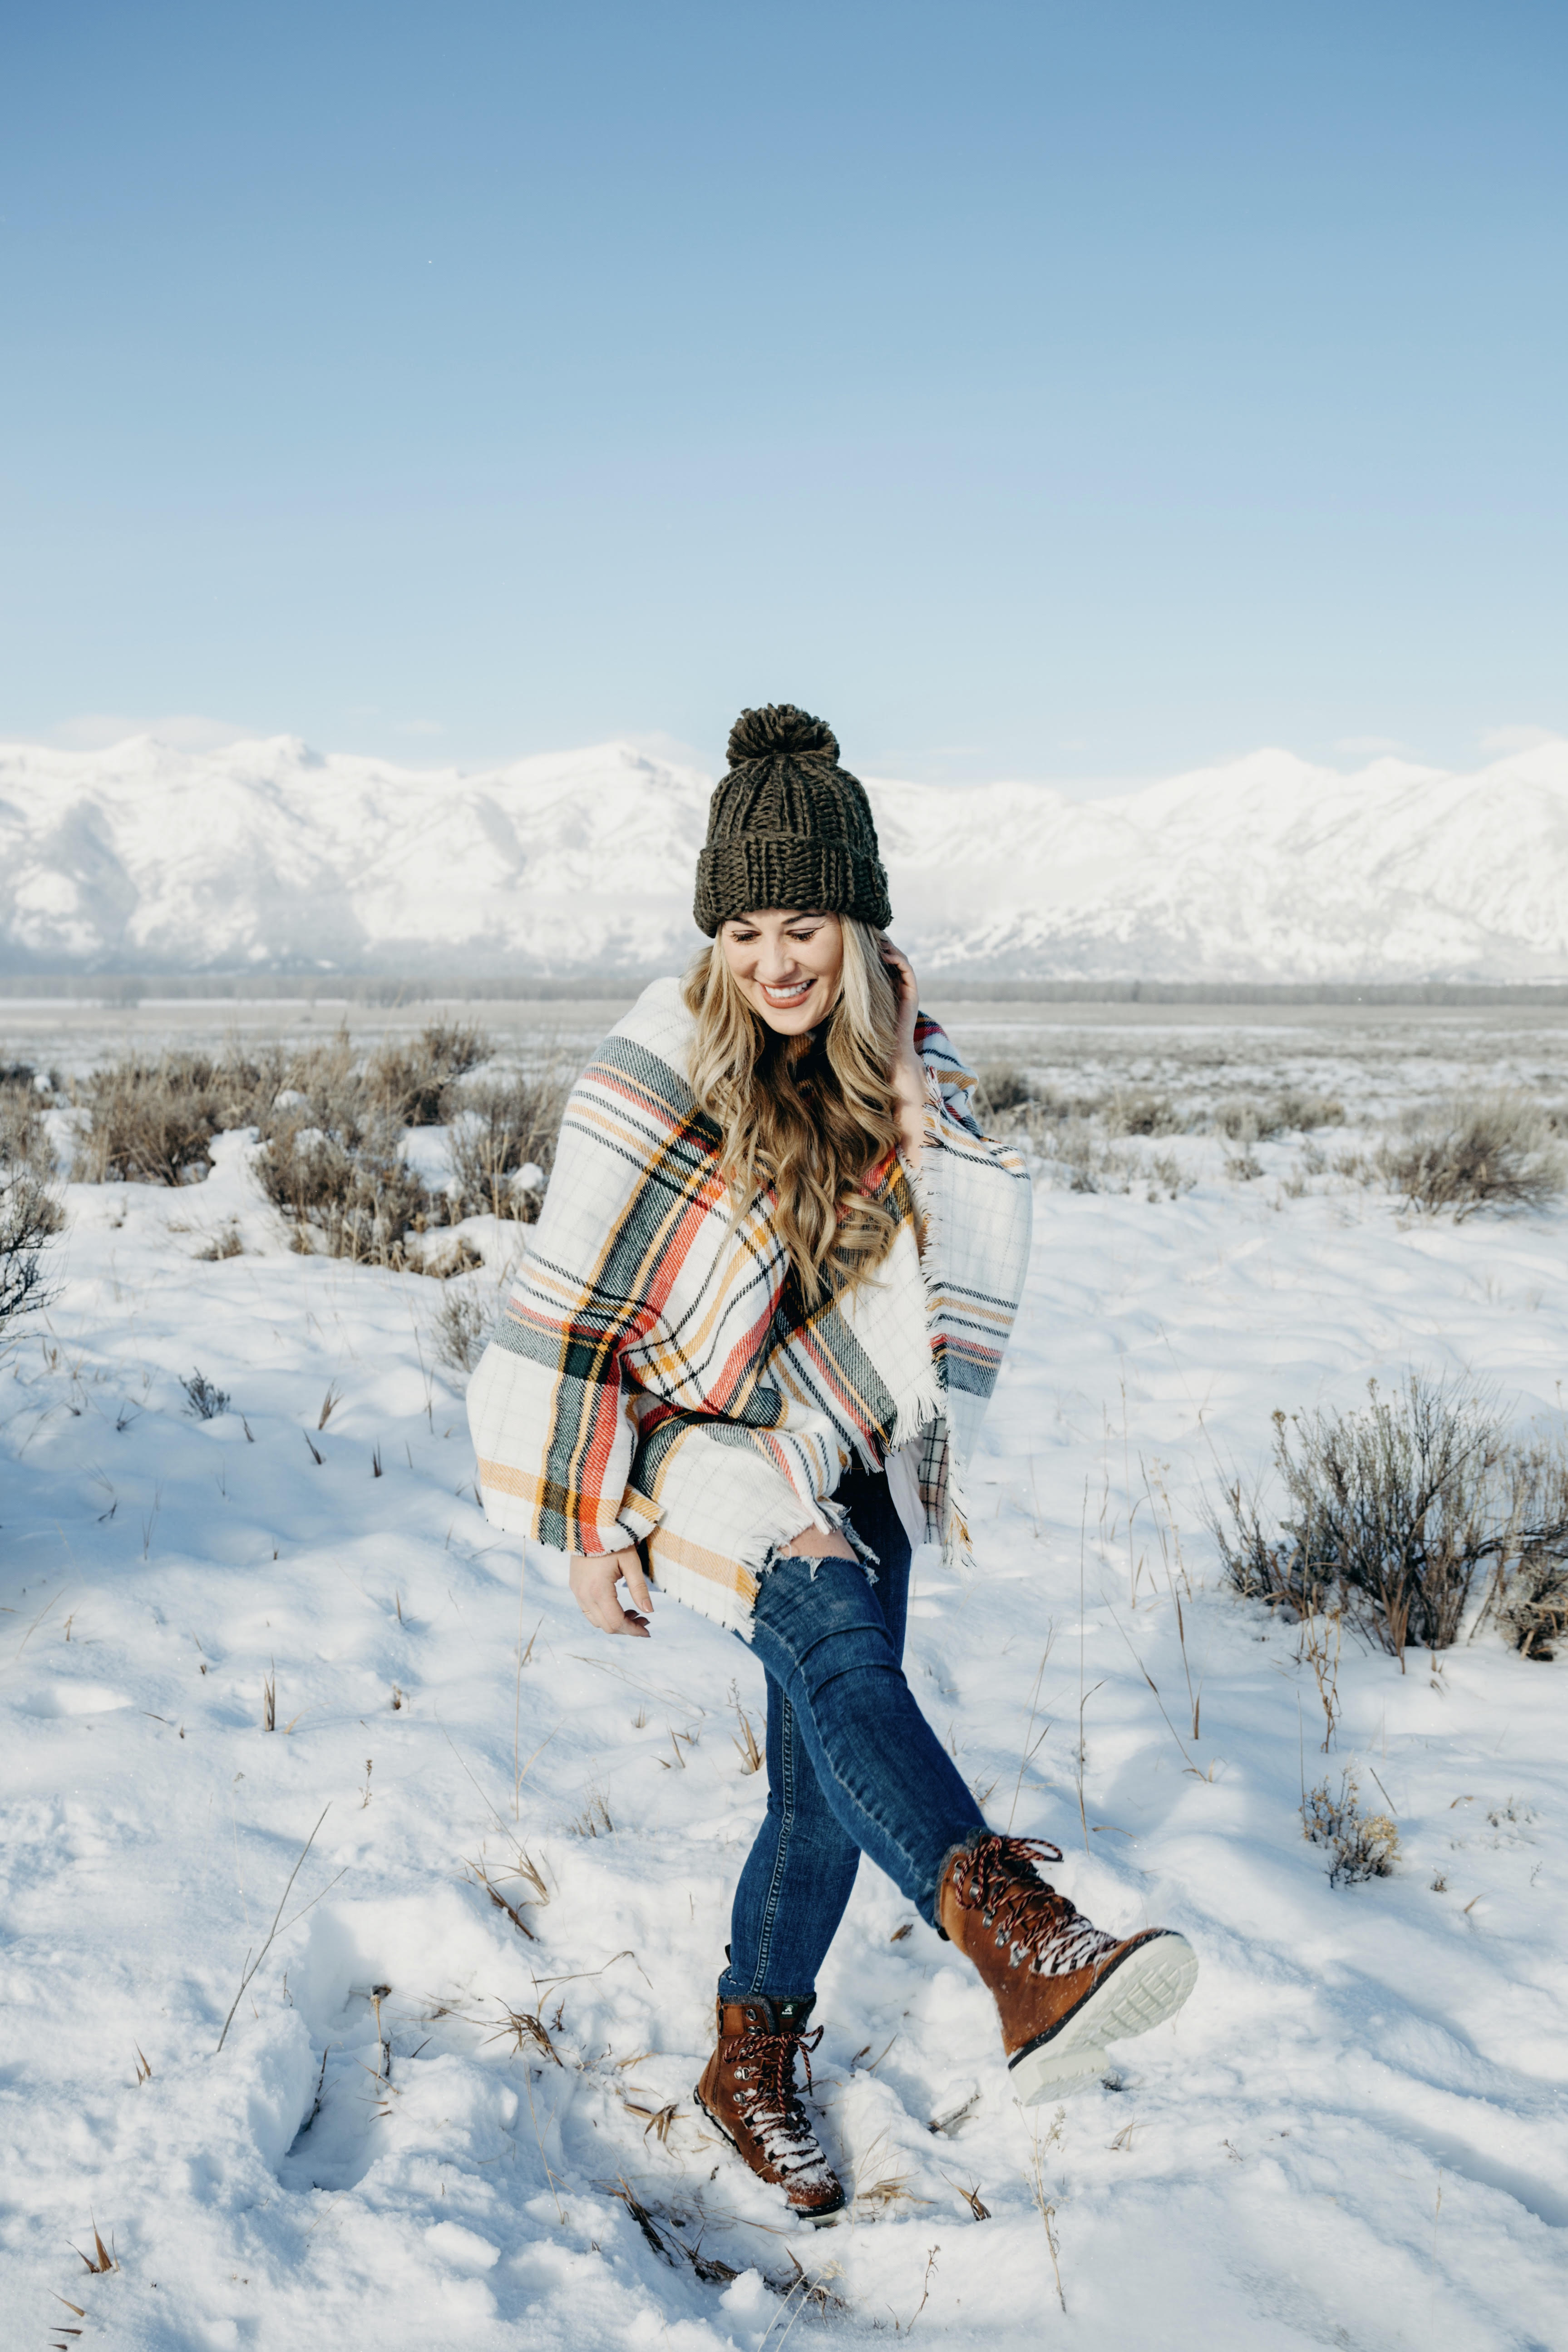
[{"x": 595, "y": 1577}]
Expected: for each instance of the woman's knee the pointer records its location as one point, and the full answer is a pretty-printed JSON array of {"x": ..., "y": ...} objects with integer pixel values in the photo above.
[{"x": 844, "y": 1650}]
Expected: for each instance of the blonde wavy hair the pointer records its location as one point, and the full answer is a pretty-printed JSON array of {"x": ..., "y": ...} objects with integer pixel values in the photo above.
[{"x": 808, "y": 1115}]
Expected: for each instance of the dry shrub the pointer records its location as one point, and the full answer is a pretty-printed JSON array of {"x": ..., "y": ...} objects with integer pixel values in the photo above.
[
  {"x": 333, "y": 1149},
  {"x": 1141, "y": 1112},
  {"x": 1394, "y": 1512},
  {"x": 24, "y": 1142},
  {"x": 332, "y": 1161},
  {"x": 1260, "y": 1118},
  {"x": 410, "y": 1081},
  {"x": 1481, "y": 1151},
  {"x": 331, "y": 1127},
  {"x": 442, "y": 1260},
  {"x": 205, "y": 1400},
  {"x": 1085, "y": 1163},
  {"x": 462, "y": 1328},
  {"x": 153, "y": 1122},
  {"x": 1167, "y": 1176},
  {"x": 1303, "y": 1111},
  {"x": 334, "y": 1166},
  {"x": 501, "y": 1127},
  {"x": 1528, "y": 1597},
  {"x": 29, "y": 1212},
  {"x": 1361, "y": 1845},
  {"x": 1002, "y": 1086},
  {"x": 1533, "y": 1611},
  {"x": 226, "y": 1241}
]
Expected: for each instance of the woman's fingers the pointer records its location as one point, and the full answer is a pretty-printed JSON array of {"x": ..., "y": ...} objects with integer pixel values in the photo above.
[
  {"x": 636, "y": 1582},
  {"x": 594, "y": 1582},
  {"x": 595, "y": 1592},
  {"x": 903, "y": 973},
  {"x": 632, "y": 1619}
]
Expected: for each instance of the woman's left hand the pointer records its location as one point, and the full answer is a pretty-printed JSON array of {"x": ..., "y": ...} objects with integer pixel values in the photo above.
[{"x": 909, "y": 1071}]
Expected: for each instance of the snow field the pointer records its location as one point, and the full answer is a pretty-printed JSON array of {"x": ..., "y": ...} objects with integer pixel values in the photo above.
[{"x": 1353, "y": 2135}]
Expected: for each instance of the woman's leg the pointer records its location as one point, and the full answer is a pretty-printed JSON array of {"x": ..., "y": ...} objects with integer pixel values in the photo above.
[
  {"x": 799, "y": 1877},
  {"x": 890, "y": 1784}
]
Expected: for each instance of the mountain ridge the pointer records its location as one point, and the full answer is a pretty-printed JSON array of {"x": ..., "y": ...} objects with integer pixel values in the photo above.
[{"x": 268, "y": 855}]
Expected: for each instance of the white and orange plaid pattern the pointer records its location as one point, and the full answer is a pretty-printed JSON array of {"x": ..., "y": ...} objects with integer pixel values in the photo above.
[{"x": 657, "y": 1376}]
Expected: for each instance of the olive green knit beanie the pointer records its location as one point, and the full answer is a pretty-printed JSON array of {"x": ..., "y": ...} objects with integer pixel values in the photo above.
[{"x": 788, "y": 826}]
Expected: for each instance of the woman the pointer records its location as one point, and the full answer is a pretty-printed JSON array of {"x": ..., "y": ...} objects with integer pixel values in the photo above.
[{"x": 744, "y": 1365}]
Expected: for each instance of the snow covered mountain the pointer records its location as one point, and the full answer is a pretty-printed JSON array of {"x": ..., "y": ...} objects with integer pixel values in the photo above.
[{"x": 269, "y": 856}]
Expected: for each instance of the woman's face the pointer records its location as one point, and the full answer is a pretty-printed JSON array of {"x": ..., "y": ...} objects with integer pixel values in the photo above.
[{"x": 787, "y": 967}]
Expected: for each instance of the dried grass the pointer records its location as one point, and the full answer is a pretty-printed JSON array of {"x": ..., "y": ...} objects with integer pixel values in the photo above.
[
  {"x": 1533, "y": 1612},
  {"x": 332, "y": 1161},
  {"x": 483, "y": 1879},
  {"x": 503, "y": 1141},
  {"x": 746, "y": 1742},
  {"x": 29, "y": 1216},
  {"x": 1082, "y": 1159},
  {"x": 204, "y": 1401},
  {"x": 461, "y": 1327},
  {"x": 153, "y": 1122},
  {"x": 100, "y": 2259},
  {"x": 661, "y": 2232},
  {"x": 526, "y": 2031},
  {"x": 24, "y": 1139},
  {"x": 1395, "y": 1513},
  {"x": 331, "y": 1126},
  {"x": 1360, "y": 1845},
  {"x": 224, "y": 1243},
  {"x": 411, "y": 1081},
  {"x": 1141, "y": 1111},
  {"x": 889, "y": 2193},
  {"x": 1248, "y": 1119},
  {"x": 1497, "y": 1150}
]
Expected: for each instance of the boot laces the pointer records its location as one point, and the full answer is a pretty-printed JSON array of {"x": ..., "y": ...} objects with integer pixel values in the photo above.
[
  {"x": 765, "y": 2062},
  {"x": 996, "y": 1877}
]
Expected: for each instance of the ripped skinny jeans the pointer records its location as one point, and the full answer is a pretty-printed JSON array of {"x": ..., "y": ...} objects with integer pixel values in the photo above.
[{"x": 853, "y": 1766}]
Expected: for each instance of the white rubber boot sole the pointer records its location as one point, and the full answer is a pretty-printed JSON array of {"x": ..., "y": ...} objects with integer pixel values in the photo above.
[{"x": 1149, "y": 1985}]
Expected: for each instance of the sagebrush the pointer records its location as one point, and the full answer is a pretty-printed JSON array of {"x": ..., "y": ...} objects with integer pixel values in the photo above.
[
  {"x": 332, "y": 1125},
  {"x": 30, "y": 1213},
  {"x": 1360, "y": 1845},
  {"x": 152, "y": 1122},
  {"x": 462, "y": 1325},
  {"x": 1397, "y": 1513},
  {"x": 503, "y": 1134},
  {"x": 1497, "y": 1150}
]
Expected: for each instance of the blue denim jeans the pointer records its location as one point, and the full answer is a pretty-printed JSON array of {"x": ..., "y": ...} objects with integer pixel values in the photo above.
[{"x": 853, "y": 1766}]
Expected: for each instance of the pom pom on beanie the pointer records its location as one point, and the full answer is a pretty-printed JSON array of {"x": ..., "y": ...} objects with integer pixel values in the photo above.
[{"x": 777, "y": 728}]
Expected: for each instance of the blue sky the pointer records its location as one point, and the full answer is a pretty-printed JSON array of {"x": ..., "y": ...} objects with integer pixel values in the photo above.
[{"x": 1079, "y": 391}]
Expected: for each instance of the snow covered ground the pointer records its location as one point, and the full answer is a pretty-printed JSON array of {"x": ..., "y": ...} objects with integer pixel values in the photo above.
[{"x": 428, "y": 2126}]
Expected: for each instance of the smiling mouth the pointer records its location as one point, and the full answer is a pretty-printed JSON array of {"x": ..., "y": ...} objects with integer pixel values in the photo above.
[{"x": 792, "y": 995}]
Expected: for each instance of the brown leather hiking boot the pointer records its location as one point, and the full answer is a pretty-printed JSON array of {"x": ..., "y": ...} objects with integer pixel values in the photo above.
[
  {"x": 1062, "y": 1989},
  {"x": 747, "y": 2090}
]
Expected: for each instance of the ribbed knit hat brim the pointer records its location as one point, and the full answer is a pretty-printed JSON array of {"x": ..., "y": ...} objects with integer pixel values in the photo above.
[
  {"x": 788, "y": 828},
  {"x": 741, "y": 877}
]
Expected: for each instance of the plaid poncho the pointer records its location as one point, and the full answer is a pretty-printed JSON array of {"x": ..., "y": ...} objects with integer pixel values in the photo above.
[{"x": 657, "y": 1375}]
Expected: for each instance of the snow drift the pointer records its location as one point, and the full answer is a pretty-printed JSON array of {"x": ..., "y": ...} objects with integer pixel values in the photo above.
[{"x": 269, "y": 856}]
